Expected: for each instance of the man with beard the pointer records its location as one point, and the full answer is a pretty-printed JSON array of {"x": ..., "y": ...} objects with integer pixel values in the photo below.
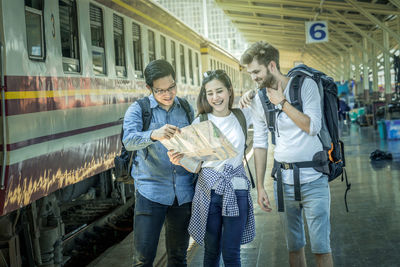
[{"x": 297, "y": 141}]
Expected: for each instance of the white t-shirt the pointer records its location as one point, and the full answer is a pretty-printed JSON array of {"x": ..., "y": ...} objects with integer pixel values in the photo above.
[{"x": 292, "y": 143}]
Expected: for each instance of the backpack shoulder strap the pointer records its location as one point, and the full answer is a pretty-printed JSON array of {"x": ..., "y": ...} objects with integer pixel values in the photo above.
[
  {"x": 242, "y": 120},
  {"x": 203, "y": 117},
  {"x": 186, "y": 106},
  {"x": 269, "y": 110},
  {"x": 295, "y": 92},
  {"x": 144, "y": 104},
  {"x": 122, "y": 129}
]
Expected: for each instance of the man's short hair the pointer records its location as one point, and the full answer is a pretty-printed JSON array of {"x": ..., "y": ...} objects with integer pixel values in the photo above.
[
  {"x": 157, "y": 69},
  {"x": 263, "y": 52}
]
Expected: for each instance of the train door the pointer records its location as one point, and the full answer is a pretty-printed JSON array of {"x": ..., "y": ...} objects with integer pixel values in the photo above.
[{"x": 2, "y": 125}]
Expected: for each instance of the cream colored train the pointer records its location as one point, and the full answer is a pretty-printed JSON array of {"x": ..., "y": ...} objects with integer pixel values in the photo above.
[{"x": 69, "y": 70}]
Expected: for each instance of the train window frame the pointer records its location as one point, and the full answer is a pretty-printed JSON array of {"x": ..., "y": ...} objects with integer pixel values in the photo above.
[
  {"x": 71, "y": 64},
  {"x": 120, "y": 70},
  {"x": 38, "y": 12},
  {"x": 197, "y": 67},
  {"x": 173, "y": 55},
  {"x": 137, "y": 51},
  {"x": 182, "y": 63},
  {"x": 151, "y": 36},
  {"x": 191, "y": 73},
  {"x": 163, "y": 47},
  {"x": 98, "y": 49}
]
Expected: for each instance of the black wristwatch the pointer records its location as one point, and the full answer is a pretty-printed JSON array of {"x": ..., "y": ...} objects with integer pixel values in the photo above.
[{"x": 280, "y": 105}]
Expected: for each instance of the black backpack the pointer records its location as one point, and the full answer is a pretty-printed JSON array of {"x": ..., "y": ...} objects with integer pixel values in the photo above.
[
  {"x": 332, "y": 160},
  {"x": 242, "y": 121},
  {"x": 123, "y": 162}
]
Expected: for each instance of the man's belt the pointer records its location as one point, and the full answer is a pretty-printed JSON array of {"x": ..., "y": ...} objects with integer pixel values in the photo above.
[{"x": 295, "y": 166}]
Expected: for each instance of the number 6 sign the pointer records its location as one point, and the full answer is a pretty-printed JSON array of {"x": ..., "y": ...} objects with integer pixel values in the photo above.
[{"x": 316, "y": 32}]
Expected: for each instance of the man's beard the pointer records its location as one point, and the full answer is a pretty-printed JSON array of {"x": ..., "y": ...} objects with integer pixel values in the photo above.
[{"x": 269, "y": 81}]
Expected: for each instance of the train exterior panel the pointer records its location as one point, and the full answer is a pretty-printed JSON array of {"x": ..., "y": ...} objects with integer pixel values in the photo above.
[{"x": 65, "y": 93}]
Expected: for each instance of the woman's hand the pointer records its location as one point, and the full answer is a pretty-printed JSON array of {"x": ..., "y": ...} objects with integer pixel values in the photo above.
[{"x": 175, "y": 157}]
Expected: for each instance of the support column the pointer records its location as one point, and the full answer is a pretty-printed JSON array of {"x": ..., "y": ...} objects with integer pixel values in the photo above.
[
  {"x": 375, "y": 86},
  {"x": 388, "y": 86},
  {"x": 350, "y": 66},
  {"x": 342, "y": 69},
  {"x": 365, "y": 70},
  {"x": 357, "y": 78}
]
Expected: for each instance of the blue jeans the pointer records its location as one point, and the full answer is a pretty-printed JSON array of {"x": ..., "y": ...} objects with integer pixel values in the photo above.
[
  {"x": 223, "y": 234},
  {"x": 148, "y": 220}
]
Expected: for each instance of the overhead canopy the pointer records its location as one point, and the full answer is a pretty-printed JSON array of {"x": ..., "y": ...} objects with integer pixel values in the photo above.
[{"x": 353, "y": 27}]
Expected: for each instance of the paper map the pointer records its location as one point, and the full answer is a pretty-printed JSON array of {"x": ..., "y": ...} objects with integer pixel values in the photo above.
[{"x": 202, "y": 142}]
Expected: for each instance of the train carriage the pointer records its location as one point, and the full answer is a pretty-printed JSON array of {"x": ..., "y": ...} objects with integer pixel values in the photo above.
[{"x": 69, "y": 70}]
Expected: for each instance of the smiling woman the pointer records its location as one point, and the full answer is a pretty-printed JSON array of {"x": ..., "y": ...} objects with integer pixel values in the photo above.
[{"x": 222, "y": 199}]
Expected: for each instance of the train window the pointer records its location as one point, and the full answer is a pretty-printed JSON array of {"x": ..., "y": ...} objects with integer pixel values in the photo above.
[
  {"x": 191, "y": 67},
  {"x": 137, "y": 50},
  {"x": 182, "y": 57},
  {"x": 197, "y": 69},
  {"x": 152, "y": 46},
  {"x": 69, "y": 35},
  {"x": 34, "y": 29},
  {"x": 119, "y": 46},
  {"x": 163, "y": 47},
  {"x": 173, "y": 55},
  {"x": 97, "y": 35}
]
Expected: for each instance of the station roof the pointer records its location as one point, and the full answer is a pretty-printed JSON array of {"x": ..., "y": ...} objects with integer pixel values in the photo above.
[{"x": 282, "y": 23}]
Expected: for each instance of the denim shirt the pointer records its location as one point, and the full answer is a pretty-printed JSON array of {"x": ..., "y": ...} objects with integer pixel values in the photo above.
[{"x": 156, "y": 178}]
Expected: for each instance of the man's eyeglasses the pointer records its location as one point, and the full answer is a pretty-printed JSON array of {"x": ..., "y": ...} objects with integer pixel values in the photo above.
[
  {"x": 213, "y": 72},
  {"x": 163, "y": 91}
]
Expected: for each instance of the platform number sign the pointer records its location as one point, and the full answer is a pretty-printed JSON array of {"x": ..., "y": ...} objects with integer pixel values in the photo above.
[{"x": 316, "y": 32}]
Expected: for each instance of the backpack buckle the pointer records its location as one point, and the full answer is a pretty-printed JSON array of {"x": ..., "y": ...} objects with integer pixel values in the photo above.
[{"x": 286, "y": 166}]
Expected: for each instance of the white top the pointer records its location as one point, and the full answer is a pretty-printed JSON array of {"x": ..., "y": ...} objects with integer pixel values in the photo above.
[
  {"x": 292, "y": 143},
  {"x": 231, "y": 128}
]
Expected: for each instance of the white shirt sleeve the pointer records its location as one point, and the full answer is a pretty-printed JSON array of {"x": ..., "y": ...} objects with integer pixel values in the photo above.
[
  {"x": 260, "y": 137},
  {"x": 312, "y": 105}
]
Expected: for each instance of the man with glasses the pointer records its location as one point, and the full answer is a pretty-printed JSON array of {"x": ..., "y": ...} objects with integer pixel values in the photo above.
[{"x": 164, "y": 191}]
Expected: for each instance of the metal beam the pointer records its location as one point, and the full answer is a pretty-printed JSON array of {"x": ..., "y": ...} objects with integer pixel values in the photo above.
[
  {"x": 357, "y": 29},
  {"x": 322, "y": 61},
  {"x": 374, "y": 19},
  {"x": 236, "y": 18},
  {"x": 290, "y": 12},
  {"x": 322, "y": 54},
  {"x": 395, "y": 3},
  {"x": 270, "y": 30},
  {"x": 373, "y": 8},
  {"x": 286, "y": 38}
]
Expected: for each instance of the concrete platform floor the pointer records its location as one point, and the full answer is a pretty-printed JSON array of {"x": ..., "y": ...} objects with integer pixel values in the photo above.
[{"x": 368, "y": 235}]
